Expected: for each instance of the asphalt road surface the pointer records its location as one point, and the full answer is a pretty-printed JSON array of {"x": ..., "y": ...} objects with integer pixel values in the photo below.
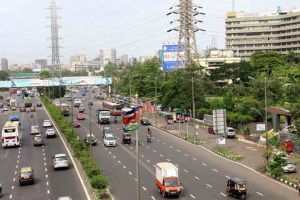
[
  {"x": 49, "y": 184},
  {"x": 203, "y": 174}
]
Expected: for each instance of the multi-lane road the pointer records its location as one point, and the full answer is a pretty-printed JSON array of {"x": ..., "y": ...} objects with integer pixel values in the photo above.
[
  {"x": 49, "y": 184},
  {"x": 203, "y": 174}
]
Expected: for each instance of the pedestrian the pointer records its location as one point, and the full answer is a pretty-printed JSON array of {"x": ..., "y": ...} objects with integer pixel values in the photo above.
[{"x": 299, "y": 187}]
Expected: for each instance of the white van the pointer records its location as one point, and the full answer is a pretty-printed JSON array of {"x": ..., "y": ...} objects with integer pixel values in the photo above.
[{"x": 230, "y": 132}]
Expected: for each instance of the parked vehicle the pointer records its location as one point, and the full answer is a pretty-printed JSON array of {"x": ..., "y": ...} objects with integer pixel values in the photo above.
[
  {"x": 178, "y": 115},
  {"x": 167, "y": 179},
  {"x": 210, "y": 130},
  {"x": 290, "y": 167},
  {"x": 236, "y": 187},
  {"x": 230, "y": 132}
]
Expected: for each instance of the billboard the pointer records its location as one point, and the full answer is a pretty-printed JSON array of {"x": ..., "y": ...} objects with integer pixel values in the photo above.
[{"x": 170, "y": 61}]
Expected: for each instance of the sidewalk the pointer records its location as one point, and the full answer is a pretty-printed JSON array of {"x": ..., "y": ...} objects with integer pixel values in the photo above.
[{"x": 252, "y": 154}]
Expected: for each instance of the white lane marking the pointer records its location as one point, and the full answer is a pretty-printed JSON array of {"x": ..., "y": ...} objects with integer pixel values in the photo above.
[
  {"x": 43, "y": 149},
  {"x": 154, "y": 151},
  {"x": 158, "y": 140},
  {"x": 144, "y": 188},
  {"x": 135, "y": 179},
  {"x": 130, "y": 173},
  {"x": 186, "y": 171},
  {"x": 215, "y": 170},
  {"x": 196, "y": 177},
  {"x": 131, "y": 147},
  {"x": 171, "y": 147},
  {"x": 17, "y": 161},
  {"x": 186, "y": 155},
  {"x": 45, "y": 164},
  {"x": 181, "y": 187},
  {"x": 10, "y": 196},
  {"x": 161, "y": 155},
  {"x": 12, "y": 187},
  {"x": 148, "y": 160},
  {"x": 259, "y": 194},
  {"x": 194, "y": 159},
  {"x": 142, "y": 156},
  {"x": 44, "y": 154},
  {"x": 176, "y": 165},
  {"x": 204, "y": 164},
  {"x": 164, "y": 143},
  {"x": 227, "y": 177},
  {"x": 15, "y": 172},
  {"x": 119, "y": 161},
  {"x": 124, "y": 166},
  {"x": 48, "y": 191},
  {"x": 178, "y": 150},
  {"x": 109, "y": 152},
  {"x": 153, "y": 197},
  {"x": 17, "y": 166},
  {"x": 168, "y": 160},
  {"x": 14, "y": 179},
  {"x": 18, "y": 156},
  {"x": 223, "y": 194},
  {"x": 193, "y": 196},
  {"x": 47, "y": 183},
  {"x": 46, "y": 169},
  {"x": 209, "y": 185},
  {"x": 114, "y": 157},
  {"x": 44, "y": 158},
  {"x": 46, "y": 176},
  {"x": 148, "y": 147}
]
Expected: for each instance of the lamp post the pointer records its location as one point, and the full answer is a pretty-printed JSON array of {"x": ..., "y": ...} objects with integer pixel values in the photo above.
[
  {"x": 266, "y": 124},
  {"x": 137, "y": 162},
  {"x": 193, "y": 99},
  {"x": 90, "y": 131}
]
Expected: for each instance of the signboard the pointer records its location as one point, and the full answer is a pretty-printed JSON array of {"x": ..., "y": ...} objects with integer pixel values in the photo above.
[
  {"x": 221, "y": 141},
  {"x": 260, "y": 127},
  {"x": 219, "y": 121},
  {"x": 171, "y": 61}
]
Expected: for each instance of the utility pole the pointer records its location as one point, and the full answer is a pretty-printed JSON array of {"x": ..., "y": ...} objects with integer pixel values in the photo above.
[
  {"x": 90, "y": 105},
  {"x": 155, "y": 99},
  {"x": 137, "y": 166},
  {"x": 266, "y": 125},
  {"x": 55, "y": 58},
  {"x": 187, "y": 51}
]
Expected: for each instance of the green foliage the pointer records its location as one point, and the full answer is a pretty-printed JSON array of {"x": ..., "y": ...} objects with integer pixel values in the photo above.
[
  {"x": 44, "y": 74},
  {"x": 276, "y": 164},
  {"x": 274, "y": 141},
  {"x": 233, "y": 119},
  {"x": 3, "y": 75},
  {"x": 246, "y": 130},
  {"x": 202, "y": 111},
  {"x": 225, "y": 151},
  {"x": 91, "y": 168}
]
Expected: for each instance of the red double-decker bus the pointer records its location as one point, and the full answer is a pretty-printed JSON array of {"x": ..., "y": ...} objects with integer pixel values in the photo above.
[{"x": 114, "y": 108}]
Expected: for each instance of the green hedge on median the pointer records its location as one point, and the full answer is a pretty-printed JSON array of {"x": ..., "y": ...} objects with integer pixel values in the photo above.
[{"x": 92, "y": 170}]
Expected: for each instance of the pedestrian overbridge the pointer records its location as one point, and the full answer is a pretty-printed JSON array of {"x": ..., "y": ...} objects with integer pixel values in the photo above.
[{"x": 64, "y": 81}]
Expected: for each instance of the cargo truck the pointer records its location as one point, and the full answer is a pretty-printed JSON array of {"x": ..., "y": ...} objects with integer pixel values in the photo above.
[
  {"x": 103, "y": 116},
  {"x": 167, "y": 179}
]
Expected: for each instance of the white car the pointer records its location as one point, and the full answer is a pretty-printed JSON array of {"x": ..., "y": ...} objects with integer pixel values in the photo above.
[
  {"x": 47, "y": 123},
  {"x": 109, "y": 140},
  {"x": 60, "y": 161},
  {"x": 34, "y": 130},
  {"x": 230, "y": 132},
  {"x": 5, "y": 108},
  {"x": 290, "y": 167},
  {"x": 50, "y": 132}
]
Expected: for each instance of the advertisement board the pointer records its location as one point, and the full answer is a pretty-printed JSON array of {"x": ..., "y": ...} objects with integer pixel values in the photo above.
[{"x": 171, "y": 61}]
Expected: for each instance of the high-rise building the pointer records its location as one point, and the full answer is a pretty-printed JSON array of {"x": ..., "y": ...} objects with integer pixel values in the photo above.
[
  {"x": 77, "y": 61},
  {"x": 123, "y": 60},
  {"x": 42, "y": 62},
  {"x": 106, "y": 56},
  {"x": 4, "y": 64},
  {"x": 142, "y": 59},
  {"x": 248, "y": 33},
  {"x": 132, "y": 61}
]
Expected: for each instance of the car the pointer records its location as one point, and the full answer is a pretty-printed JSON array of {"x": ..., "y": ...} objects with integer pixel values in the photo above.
[
  {"x": 210, "y": 129},
  {"x": 34, "y": 130},
  {"x": 81, "y": 108},
  {"x": 22, "y": 109},
  {"x": 26, "y": 176},
  {"x": 38, "y": 140},
  {"x": 106, "y": 130},
  {"x": 90, "y": 139},
  {"x": 60, "y": 161},
  {"x": 145, "y": 121},
  {"x": 80, "y": 116},
  {"x": 289, "y": 167},
  {"x": 230, "y": 132},
  {"x": 50, "y": 132},
  {"x": 39, "y": 104},
  {"x": 5, "y": 108},
  {"x": 32, "y": 109},
  {"x": 126, "y": 138},
  {"x": 64, "y": 198},
  {"x": 109, "y": 140},
  {"x": 47, "y": 123},
  {"x": 76, "y": 124}
]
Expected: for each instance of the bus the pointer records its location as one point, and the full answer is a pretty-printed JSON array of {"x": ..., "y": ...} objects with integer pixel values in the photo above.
[
  {"x": 65, "y": 109},
  {"x": 11, "y": 134},
  {"x": 114, "y": 108}
]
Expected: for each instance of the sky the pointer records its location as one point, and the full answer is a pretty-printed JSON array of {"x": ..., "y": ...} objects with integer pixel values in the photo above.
[{"x": 132, "y": 27}]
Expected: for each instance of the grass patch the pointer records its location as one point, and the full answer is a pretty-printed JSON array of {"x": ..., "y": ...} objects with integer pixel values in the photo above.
[
  {"x": 225, "y": 151},
  {"x": 290, "y": 178}
]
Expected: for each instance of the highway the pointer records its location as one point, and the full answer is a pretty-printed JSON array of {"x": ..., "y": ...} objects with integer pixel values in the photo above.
[
  {"x": 49, "y": 184},
  {"x": 203, "y": 174}
]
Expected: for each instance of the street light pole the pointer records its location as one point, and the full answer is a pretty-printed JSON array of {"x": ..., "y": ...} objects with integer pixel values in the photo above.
[
  {"x": 89, "y": 103},
  {"x": 155, "y": 100},
  {"x": 266, "y": 124},
  {"x": 193, "y": 99},
  {"x": 137, "y": 166}
]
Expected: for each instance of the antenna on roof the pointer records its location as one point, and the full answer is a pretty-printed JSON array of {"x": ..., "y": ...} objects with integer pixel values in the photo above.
[{"x": 279, "y": 9}]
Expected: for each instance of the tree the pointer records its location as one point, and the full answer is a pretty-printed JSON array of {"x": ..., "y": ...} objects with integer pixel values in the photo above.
[
  {"x": 27, "y": 70},
  {"x": 3, "y": 75},
  {"x": 44, "y": 74}
]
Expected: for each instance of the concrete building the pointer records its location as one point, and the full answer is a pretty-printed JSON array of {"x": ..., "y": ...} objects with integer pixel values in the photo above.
[
  {"x": 123, "y": 60},
  {"x": 247, "y": 33},
  {"x": 42, "y": 62},
  {"x": 77, "y": 61},
  {"x": 106, "y": 56},
  {"x": 216, "y": 58},
  {"x": 132, "y": 61},
  {"x": 4, "y": 64},
  {"x": 142, "y": 59}
]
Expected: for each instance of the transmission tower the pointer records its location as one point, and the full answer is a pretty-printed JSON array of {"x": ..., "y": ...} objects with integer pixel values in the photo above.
[
  {"x": 187, "y": 12},
  {"x": 55, "y": 58}
]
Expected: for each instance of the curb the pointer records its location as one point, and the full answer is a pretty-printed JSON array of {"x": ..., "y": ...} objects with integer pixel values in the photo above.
[
  {"x": 283, "y": 181},
  {"x": 229, "y": 157}
]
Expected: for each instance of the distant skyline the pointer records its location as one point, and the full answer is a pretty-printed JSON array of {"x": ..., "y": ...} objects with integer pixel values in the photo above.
[{"x": 133, "y": 27}]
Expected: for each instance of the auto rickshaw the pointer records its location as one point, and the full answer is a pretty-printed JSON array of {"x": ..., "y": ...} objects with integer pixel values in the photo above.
[
  {"x": 236, "y": 187},
  {"x": 169, "y": 119}
]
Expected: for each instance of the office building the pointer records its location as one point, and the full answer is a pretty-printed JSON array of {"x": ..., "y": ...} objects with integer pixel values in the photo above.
[
  {"x": 142, "y": 59},
  {"x": 247, "y": 33},
  {"x": 78, "y": 61},
  {"x": 4, "y": 64},
  {"x": 107, "y": 56},
  {"x": 123, "y": 60}
]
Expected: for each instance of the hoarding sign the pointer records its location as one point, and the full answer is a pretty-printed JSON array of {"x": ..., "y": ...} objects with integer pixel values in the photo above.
[
  {"x": 170, "y": 60},
  {"x": 260, "y": 127}
]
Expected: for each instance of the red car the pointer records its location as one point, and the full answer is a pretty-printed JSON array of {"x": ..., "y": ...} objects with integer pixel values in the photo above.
[
  {"x": 80, "y": 116},
  {"x": 76, "y": 124},
  {"x": 22, "y": 109}
]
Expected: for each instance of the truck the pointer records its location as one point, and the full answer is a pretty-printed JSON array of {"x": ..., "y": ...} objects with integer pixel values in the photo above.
[
  {"x": 103, "y": 116},
  {"x": 167, "y": 179},
  {"x": 13, "y": 104},
  {"x": 77, "y": 101},
  {"x": 65, "y": 109}
]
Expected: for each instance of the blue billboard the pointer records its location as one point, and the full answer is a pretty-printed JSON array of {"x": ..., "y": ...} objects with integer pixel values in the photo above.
[{"x": 170, "y": 61}]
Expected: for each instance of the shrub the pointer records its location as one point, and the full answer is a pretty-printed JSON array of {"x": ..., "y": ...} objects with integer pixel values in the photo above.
[{"x": 99, "y": 182}]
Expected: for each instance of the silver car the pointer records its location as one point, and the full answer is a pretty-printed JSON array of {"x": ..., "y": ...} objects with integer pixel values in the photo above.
[
  {"x": 50, "y": 132},
  {"x": 289, "y": 167},
  {"x": 60, "y": 161}
]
